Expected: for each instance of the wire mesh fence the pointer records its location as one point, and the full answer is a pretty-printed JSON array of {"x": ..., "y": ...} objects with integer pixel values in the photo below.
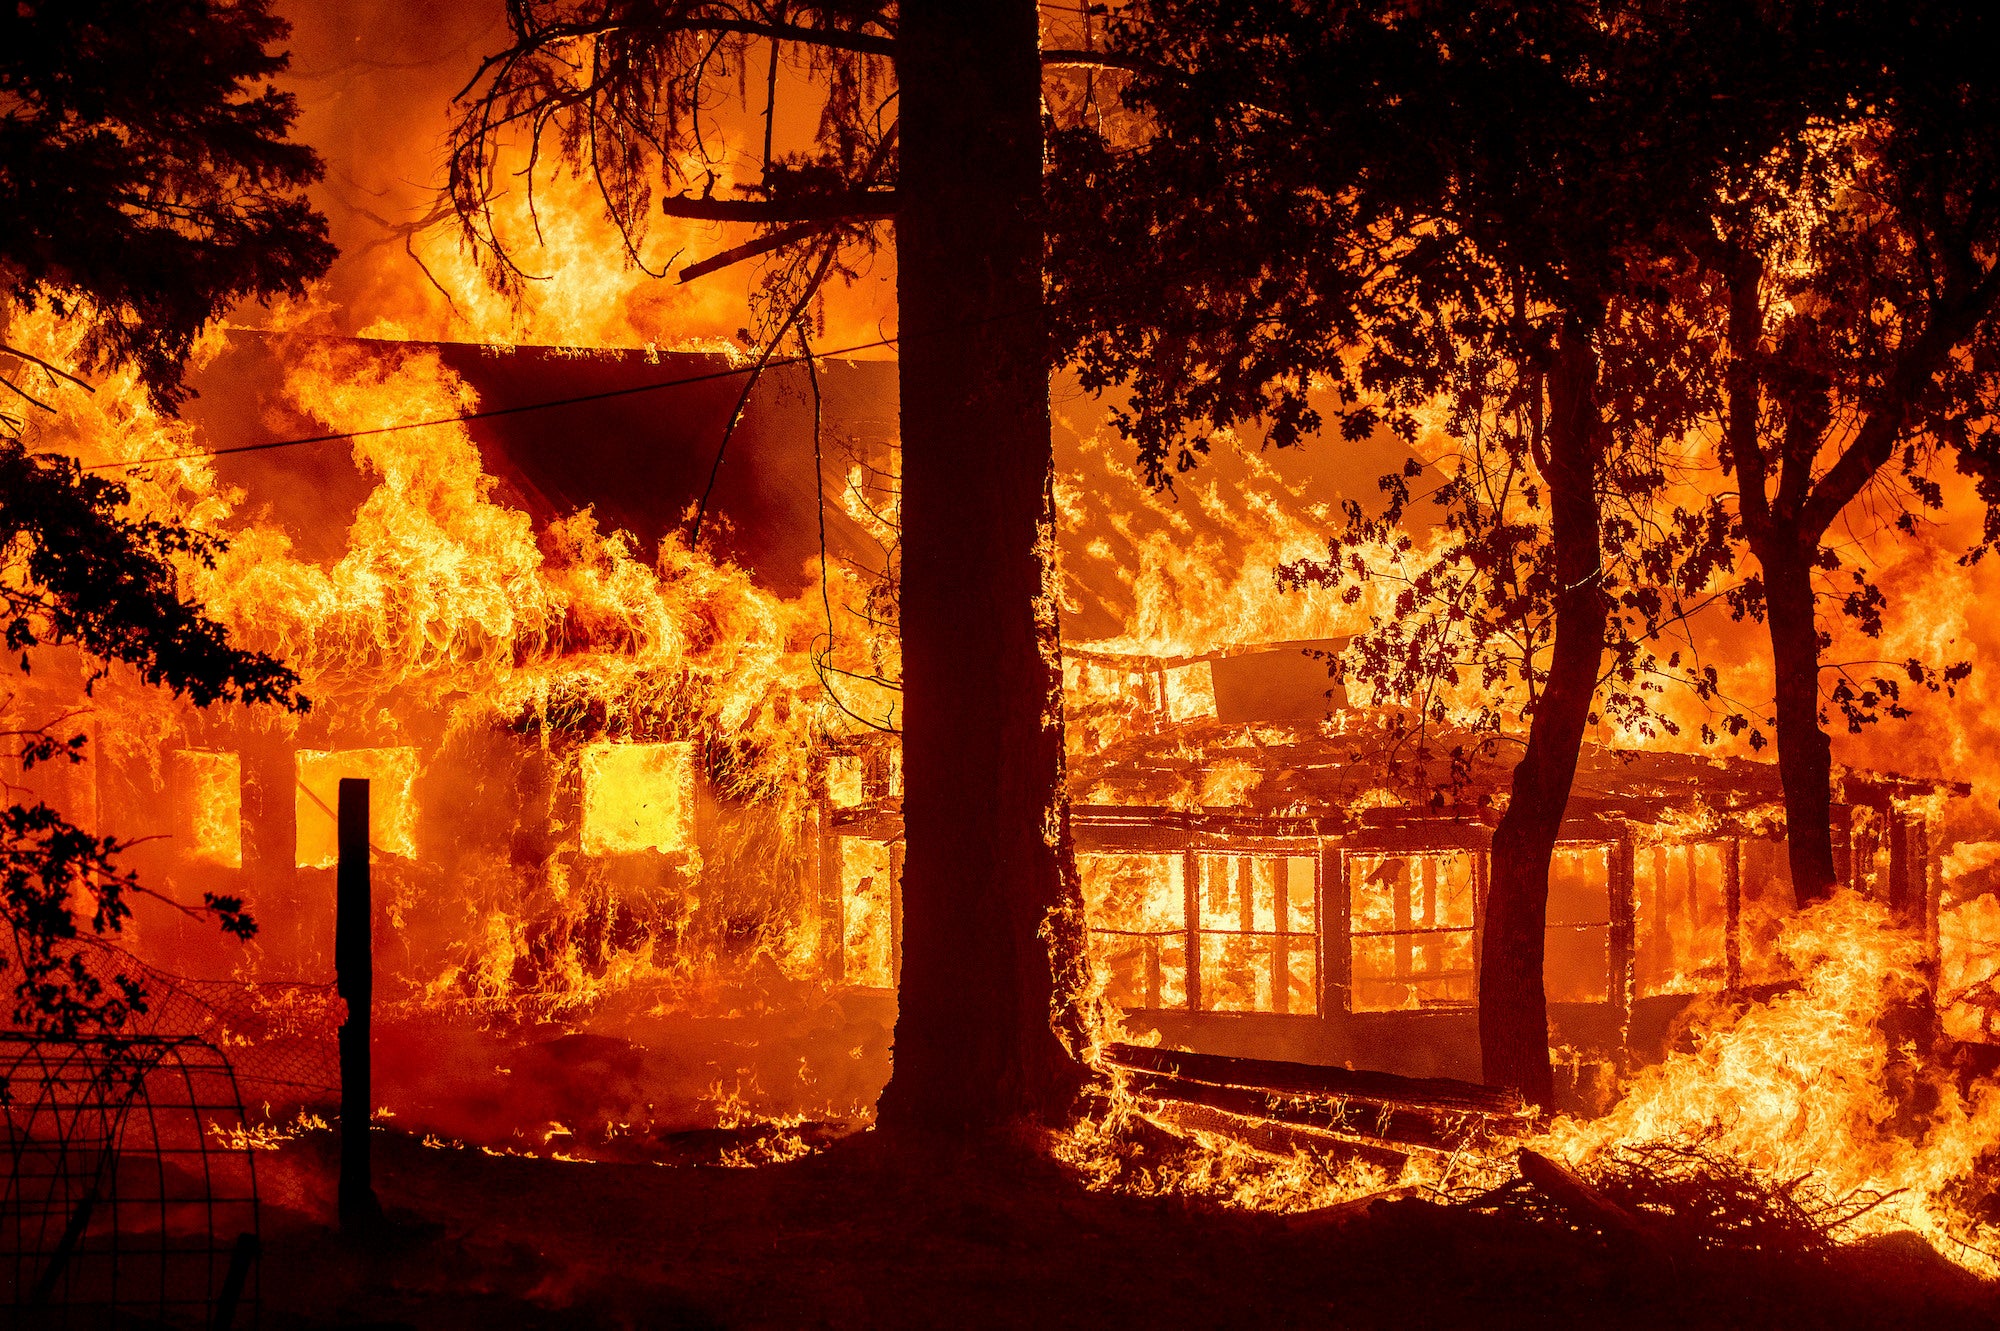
[
  {"x": 131, "y": 1184},
  {"x": 281, "y": 1036}
]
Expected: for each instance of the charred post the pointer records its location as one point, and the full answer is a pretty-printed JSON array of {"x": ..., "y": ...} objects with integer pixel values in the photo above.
[{"x": 354, "y": 971}]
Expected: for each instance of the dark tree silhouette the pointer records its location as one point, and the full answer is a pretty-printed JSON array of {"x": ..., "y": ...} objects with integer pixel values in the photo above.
[
  {"x": 991, "y": 905},
  {"x": 1857, "y": 283},
  {"x": 146, "y": 179},
  {"x": 148, "y": 187},
  {"x": 932, "y": 118},
  {"x": 1380, "y": 202}
]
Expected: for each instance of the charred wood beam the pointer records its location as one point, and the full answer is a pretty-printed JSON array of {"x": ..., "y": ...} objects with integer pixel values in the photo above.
[
  {"x": 1274, "y": 1137},
  {"x": 1439, "y": 1093},
  {"x": 1583, "y": 1203},
  {"x": 1624, "y": 936},
  {"x": 1732, "y": 898},
  {"x": 778, "y": 239},
  {"x": 1191, "y": 940},
  {"x": 1407, "y": 1125},
  {"x": 1227, "y": 827},
  {"x": 1060, "y": 58},
  {"x": 1336, "y": 951}
]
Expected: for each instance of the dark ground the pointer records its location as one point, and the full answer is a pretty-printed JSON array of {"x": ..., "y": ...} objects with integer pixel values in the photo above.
[{"x": 867, "y": 1236}]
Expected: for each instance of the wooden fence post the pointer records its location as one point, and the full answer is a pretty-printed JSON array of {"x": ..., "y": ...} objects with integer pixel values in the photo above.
[{"x": 354, "y": 978}]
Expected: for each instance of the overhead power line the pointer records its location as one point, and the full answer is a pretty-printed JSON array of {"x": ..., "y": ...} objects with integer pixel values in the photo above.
[{"x": 490, "y": 413}]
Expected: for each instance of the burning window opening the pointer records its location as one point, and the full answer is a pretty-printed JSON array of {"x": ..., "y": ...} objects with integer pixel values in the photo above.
[
  {"x": 208, "y": 806},
  {"x": 638, "y": 798},
  {"x": 391, "y": 775},
  {"x": 1136, "y": 906},
  {"x": 1250, "y": 920},
  {"x": 846, "y": 781},
  {"x": 870, "y": 919},
  {"x": 1412, "y": 926},
  {"x": 1188, "y": 690},
  {"x": 1684, "y": 917},
  {"x": 1258, "y": 936},
  {"x": 1577, "y": 946}
]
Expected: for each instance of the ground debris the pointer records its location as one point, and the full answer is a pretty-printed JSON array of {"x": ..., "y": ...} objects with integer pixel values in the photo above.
[
  {"x": 1679, "y": 1197},
  {"x": 877, "y": 1233}
]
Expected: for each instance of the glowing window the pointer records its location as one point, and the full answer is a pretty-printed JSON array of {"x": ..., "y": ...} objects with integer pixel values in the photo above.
[
  {"x": 390, "y": 773},
  {"x": 1683, "y": 916},
  {"x": 208, "y": 806},
  {"x": 1410, "y": 925},
  {"x": 846, "y": 781},
  {"x": 1259, "y": 934},
  {"x": 638, "y": 797},
  {"x": 867, "y": 913},
  {"x": 1190, "y": 691},
  {"x": 1137, "y": 909},
  {"x": 1576, "y": 964},
  {"x": 1255, "y": 934}
]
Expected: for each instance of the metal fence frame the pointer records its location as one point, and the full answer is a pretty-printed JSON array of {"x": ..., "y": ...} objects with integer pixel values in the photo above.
[{"x": 131, "y": 1183}]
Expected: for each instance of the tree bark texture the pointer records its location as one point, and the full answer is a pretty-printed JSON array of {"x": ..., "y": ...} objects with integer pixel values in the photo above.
[
  {"x": 1513, "y": 1004},
  {"x": 1805, "y": 753},
  {"x": 988, "y": 884}
]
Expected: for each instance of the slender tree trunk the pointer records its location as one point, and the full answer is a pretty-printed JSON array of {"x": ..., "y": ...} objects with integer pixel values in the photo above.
[
  {"x": 1513, "y": 1004},
  {"x": 1805, "y": 754},
  {"x": 985, "y": 887}
]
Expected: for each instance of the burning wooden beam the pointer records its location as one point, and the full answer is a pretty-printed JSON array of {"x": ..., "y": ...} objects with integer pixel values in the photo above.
[
  {"x": 1426, "y": 1113},
  {"x": 1278, "y": 1138}
]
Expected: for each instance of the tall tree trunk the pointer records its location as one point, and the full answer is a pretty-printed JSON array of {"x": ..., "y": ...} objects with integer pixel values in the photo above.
[
  {"x": 1805, "y": 754},
  {"x": 1513, "y": 1004},
  {"x": 985, "y": 885}
]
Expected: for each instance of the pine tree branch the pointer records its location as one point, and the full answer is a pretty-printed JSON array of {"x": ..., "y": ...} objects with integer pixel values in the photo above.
[{"x": 870, "y": 205}]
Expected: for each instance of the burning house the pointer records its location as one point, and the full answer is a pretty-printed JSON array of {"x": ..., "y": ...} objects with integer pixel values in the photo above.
[
  {"x": 561, "y": 935},
  {"x": 1256, "y": 885},
  {"x": 604, "y": 786}
]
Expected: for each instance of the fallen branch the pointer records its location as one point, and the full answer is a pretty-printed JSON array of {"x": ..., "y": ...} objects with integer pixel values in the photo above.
[{"x": 1583, "y": 1203}]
